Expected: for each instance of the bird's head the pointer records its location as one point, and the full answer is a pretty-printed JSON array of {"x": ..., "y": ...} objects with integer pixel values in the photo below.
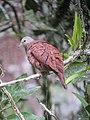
[{"x": 26, "y": 40}]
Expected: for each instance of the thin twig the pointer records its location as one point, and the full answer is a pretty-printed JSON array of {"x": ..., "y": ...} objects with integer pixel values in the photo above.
[
  {"x": 10, "y": 99},
  {"x": 76, "y": 54},
  {"x": 46, "y": 109},
  {"x": 34, "y": 76},
  {"x": 15, "y": 13},
  {"x": 46, "y": 84},
  {"x": 72, "y": 57},
  {"x": 5, "y": 108},
  {"x": 9, "y": 23}
]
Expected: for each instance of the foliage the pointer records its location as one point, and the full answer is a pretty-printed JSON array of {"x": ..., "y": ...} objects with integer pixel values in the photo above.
[
  {"x": 38, "y": 26},
  {"x": 84, "y": 103},
  {"x": 27, "y": 116},
  {"x": 53, "y": 22},
  {"x": 79, "y": 70},
  {"x": 75, "y": 40},
  {"x": 78, "y": 74},
  {"x": 18, "y": 92}
]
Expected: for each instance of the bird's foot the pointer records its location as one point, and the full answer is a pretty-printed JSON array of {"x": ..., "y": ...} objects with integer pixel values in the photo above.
[{"x": 40, "y": 75}]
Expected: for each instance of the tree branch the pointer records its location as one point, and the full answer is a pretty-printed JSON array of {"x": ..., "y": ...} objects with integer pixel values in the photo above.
[
  {"x": 7, "y": 24},
  {"x": 10, "y": 99},
  {"x": 20, "y": 80},
  {"x": 46, "y": 109},
  {"x": 15, "y": 13},
  {"x": 76, "y": 54}
]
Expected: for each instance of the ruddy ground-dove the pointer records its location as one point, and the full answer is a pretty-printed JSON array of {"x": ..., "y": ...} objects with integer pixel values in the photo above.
[{"x": 44, "y": 57}]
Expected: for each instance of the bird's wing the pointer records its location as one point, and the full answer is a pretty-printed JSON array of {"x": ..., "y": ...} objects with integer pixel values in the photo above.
[{"x": 43, "y": 52}]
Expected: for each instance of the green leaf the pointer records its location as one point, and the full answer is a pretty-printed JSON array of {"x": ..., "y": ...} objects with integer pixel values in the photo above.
[
  {"x": 73, "y": 68},
  {"x": 24, "y": 93},
  {"x": 81, "y": 70},
  {"x": 75, "y": 40},
  {"x": 14, "y": 89},
  {"x": 68, "y": 80},
  {"x": 88, "y": 108},
  {"x": 83, "y": 114},
  {"x": 77, "y": 32},
  {"x": 82, "y": 100},
  {"x": 18, "y": 91},
  {"x": 79, "y": 29},
  {"x": 27, "y": 116},
  {"x": 21, "y": 94},
  {"x": 22, "y": 76},
  {"x": 17, "y": 95},
  {"x": 69, "y": 39}
]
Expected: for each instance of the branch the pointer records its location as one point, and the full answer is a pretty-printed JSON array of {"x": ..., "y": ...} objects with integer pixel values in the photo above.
[
  {"x": 76, "y": 54},
  {"x": 5, "y": 25},
  {"x": 15, "y": 13},
  {"x": 46, "y": 109},
  {"x": 72, "y": 57},
  {"x": 20, "y": 80},
  {"x": 10, "y": 99},
  {"x": 5, "y": 108}
]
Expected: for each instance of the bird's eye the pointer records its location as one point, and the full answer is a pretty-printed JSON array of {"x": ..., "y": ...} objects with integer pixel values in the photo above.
[{"x": 24, "y": 41}]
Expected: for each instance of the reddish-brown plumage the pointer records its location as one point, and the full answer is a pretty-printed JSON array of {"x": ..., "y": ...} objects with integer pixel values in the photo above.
[{"x": 44, "y": 57}]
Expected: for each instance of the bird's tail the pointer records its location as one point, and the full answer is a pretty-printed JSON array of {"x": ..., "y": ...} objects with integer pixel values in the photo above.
[{"x": 62, "y": 80}]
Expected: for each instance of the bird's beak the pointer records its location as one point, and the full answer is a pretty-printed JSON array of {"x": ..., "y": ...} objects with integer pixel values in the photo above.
[{"x": 20, "y": 44}]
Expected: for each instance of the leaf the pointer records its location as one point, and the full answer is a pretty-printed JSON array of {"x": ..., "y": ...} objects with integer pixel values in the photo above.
[
  {"x": 82, "y": 100},
  {"x": 80, "y": 71},
  {"x": 73, "y": 68},
  {"x": 69, "y": 39},
  {"x": 88, "y": 108},
  {"x": 18, "y": 91},
  {"x": 23, "y": 93},
  {"x": 68, "y": 80},
  {"x": 75, "y": 40},
  {"x": 14, "y": 89},
  {"x": 79, "y": 29},
  {"x": 77, "y": 32},
  {"x": 27, "y": 116},
  {"x": 22, "y": 76},
  {"x": 83, "y": 114}
]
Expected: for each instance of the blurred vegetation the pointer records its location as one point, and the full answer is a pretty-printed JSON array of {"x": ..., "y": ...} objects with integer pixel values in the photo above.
[{"x": 66, "y": 25}]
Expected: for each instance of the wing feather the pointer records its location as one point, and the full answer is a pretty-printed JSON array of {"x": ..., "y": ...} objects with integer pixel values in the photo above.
[{"x": 44, "y": 53}]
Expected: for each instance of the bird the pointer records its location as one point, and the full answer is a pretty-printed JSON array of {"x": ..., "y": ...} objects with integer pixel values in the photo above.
[{"x": 44, "y": 57}]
